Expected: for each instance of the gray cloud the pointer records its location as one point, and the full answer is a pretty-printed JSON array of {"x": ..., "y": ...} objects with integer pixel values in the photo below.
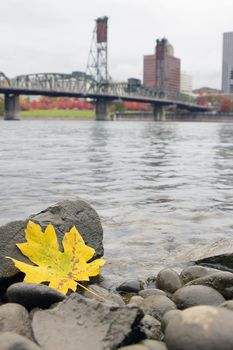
[{"x": 55, "y": 35}]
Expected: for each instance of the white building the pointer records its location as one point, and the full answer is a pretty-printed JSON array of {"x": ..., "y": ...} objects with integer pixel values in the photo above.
[
  {"x": 227, "y": 63},
  {"x": 185, "y": 83}
]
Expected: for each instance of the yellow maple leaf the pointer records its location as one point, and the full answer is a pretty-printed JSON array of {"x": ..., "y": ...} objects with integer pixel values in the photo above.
[{"x": 61, "y": 269}]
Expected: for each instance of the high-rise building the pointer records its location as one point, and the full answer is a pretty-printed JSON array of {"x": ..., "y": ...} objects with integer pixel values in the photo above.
[
  {"x": 185, "y": 83},
  {"x": 162, "y": 70},
  {"x": 149, "y": 71},
  {"x": 227, "y": 63}
]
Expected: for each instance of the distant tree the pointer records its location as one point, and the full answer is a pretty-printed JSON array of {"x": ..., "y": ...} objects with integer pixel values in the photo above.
[
  {"x": 202, "y": 100},
  {"x": 55, "y": 103},
  {"x": 226, "y": 106}
]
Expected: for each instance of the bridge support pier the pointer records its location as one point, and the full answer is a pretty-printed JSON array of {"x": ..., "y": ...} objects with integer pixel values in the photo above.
[
  {"x": 159, "y": 113},
  {"x": 101, "y": 109},
  {"x": 11, "y": 107}
]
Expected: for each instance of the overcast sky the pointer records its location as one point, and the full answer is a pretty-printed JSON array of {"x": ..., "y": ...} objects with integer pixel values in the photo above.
[{"x": 55, "y": 35}]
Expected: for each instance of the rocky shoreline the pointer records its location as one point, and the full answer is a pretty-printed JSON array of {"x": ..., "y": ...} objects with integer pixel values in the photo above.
[{"x": 191, "y": 310}]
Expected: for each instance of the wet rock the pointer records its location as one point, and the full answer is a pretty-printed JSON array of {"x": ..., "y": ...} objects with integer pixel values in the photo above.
[
  {"x": 221, "y": 281},
  {"x": 88, "y": 324},
  {"x": 220, "y": 260},
  {"x": 13, "y": 341},
  {"x": 167, "y": 317},
  {"x": 168, "y": 280},
  {"x": 157, "y": 306},
  {"x": 227, "y": 304},
  {"x": 32, "y": 295},
  {"x": 193, "y": 272},
  {"x": 151, "y": 291},
  {"x": 154, "y": 344},
  {"x": 63, "y": 216},
  {"x": 11, "y": 234},
  {"x": 130, "y": 286},
  {"x": 78, "y": 213},
  {"x": 104, "y": 293},
  {"x": 196, "y": 295},
  {"x": 201, "y": 328},
  {"x": 15, "y": 318},
  {"x": 136, "y": 300},
  {"x": 151, "y": 328}
]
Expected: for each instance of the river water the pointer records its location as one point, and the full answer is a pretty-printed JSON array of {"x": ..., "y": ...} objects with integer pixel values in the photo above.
[{"x": 162, "y": 190}]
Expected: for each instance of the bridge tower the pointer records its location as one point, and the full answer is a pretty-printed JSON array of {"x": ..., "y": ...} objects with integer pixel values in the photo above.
[{"x": 97, "y": 65}]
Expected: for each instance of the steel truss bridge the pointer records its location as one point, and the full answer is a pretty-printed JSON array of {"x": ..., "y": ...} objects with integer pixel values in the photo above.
[{"x": 69, "y": 85}]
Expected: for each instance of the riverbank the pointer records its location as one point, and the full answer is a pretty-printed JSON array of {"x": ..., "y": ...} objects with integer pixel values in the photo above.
[
  {"x": 58, "y": 114},
  {"x": 165, "y": 311}
]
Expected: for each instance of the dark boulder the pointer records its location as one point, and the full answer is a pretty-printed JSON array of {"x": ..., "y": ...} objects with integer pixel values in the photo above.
[
  {"x": 32, "y": 295},
  {"x": 62, "y": 216}
]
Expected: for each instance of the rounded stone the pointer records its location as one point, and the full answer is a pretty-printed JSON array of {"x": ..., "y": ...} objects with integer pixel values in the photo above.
[
  {"x": 151, "y": 291},
  {"x": 136, "y": 300},
  {"x": 12, "y": 341},
  {"x": 134, "y": 347},
  {"x": 200, "y": 328},
  {"x": 151, "y": 327},
  {"x": 15, "y": 318},
  {"x": 154, "y": 344},
  {"x": 130, "y": 286},
  {"x": 193, "y": 272},
  {"x": 32, "y": 295},
  {"x": 196, "y": 295},
  {"x": 167, "y": 317},
  {"x": 227, "y": 304},
  {"x": 157, "y": 306},
  {"x": 221, "y": 281},
  {"x": 168, "y": 280}
]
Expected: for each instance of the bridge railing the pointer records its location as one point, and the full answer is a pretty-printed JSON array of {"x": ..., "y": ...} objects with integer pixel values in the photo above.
[{"x": 70, "y": 83}]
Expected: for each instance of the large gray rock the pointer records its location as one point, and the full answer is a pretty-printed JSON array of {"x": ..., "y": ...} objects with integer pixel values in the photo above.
[
  {"x": 168, "y": 280},
  {"x": 81, "y": 323},
  {"x": 191, "y": 273},
  {"x": 196, "y": 295},
  {"x": 62, "y": 216},
  {"x": 221, "y": 281},
  {"x": 157, "y": 306},
  {"x": 13, "y": 341},
  {"x": 201, "y": 328},
  {"x": 15, "y": 318},
  {"x": 32, "y": 295}
]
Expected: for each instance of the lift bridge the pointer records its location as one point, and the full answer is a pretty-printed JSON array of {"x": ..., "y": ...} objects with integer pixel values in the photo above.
[{"x": 95, "y": 84}]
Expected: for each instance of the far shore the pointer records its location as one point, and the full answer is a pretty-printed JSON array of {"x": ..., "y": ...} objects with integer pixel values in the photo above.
[{"x": 58, "y": 114}]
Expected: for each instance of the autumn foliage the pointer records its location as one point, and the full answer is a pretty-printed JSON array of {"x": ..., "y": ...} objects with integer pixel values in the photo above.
[
  {"x": 55, "y": 103},
  {"x": 221, "y": 103},
  {"x": 45, "y": 103}
]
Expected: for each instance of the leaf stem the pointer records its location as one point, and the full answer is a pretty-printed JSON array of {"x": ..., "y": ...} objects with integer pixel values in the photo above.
[{"x": 90, "y": 291}]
